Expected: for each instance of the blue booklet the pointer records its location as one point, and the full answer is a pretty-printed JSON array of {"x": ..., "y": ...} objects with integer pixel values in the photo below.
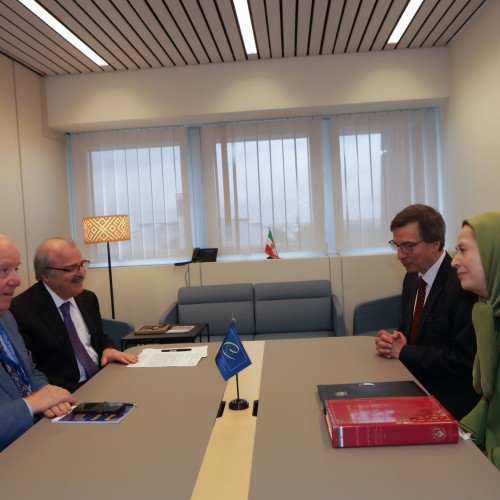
[{"x": 94, "y": 418}]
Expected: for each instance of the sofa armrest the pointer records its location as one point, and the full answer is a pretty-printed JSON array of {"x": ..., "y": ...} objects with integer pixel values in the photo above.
[
  {"x": 339, "y": 329},
  {"x": 170, "y": 315}
]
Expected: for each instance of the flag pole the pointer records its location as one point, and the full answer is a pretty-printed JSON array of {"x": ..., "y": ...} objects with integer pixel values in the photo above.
[
  {"x": 238, "y": 403},
  {"x": 230, "y": 360}
]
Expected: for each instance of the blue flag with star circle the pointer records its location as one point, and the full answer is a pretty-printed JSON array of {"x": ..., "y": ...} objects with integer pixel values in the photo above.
[{"x": 232, "y": 357}]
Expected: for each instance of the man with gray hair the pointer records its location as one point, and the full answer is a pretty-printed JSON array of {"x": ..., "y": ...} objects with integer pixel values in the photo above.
[{"x": 60, "y": 321}]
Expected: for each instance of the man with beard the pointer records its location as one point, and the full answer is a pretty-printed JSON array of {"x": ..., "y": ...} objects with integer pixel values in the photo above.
[
  {"x": 60, "y": 321},
  {"x": 435, "y": 339}
]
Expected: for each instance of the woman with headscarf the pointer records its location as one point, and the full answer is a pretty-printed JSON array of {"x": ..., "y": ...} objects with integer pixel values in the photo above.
[{"x": 477, "y": 262}]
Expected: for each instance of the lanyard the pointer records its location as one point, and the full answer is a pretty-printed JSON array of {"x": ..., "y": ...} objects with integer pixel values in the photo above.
[
  {"x": 10, "y": 361},
  {"x": 16, "y": 367}
]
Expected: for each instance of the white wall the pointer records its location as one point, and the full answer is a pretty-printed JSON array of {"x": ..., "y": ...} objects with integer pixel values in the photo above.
[
  {"x": 142, "y": 293},
  {"x": 34, "y": 200},
  {"x": 11, "y": 206},
  {"x": 472, "y": 168},
  {"x": 253, "y": 89}
]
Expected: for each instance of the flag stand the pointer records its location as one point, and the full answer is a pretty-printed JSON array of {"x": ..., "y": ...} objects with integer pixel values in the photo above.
[{"x": 238, "y": 403}]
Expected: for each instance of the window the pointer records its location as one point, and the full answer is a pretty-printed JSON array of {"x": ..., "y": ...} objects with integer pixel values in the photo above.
[
  {"x": 263, "y": 175},
  {"x": 381, "y": 162},
  {"x": 339, "y": 179},
  {"x": 142, "y": 173}
]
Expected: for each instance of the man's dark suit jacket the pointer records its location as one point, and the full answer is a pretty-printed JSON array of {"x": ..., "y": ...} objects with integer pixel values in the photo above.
[
  {"x": 43, "y": 330},
  {"x": 445, "y": 348}
]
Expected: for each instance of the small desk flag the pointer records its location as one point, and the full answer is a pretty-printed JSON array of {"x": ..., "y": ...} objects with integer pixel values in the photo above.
[
  {"x": 232, "y": 357},
  {"x": 271, "y": 246}
]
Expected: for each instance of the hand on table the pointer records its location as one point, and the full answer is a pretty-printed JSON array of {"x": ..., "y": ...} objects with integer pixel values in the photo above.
[
  {"x": 389, "y": 345},
  {"x": 109, "y": 355}
]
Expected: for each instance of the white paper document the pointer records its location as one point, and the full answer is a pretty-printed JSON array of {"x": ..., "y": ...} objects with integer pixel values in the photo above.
[
  {"x": 180, "y": 328},
  {"x": 170, "y": 356}
]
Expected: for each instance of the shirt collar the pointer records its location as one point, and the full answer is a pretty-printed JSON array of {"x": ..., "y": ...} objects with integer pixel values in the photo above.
[
  {"x": 431, "y": 273},
  {"x": 57, "y": 300}
]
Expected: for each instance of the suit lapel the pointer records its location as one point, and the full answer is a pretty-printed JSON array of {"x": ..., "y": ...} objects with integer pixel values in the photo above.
[
  {"x": 436, "y": 290},
  {"x": 410, "y": 303}
]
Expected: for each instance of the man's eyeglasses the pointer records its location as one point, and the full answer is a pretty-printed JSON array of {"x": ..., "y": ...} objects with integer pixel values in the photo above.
[
  {"x": 84, "y": 264},
  {"x": 406, "y": 248}
]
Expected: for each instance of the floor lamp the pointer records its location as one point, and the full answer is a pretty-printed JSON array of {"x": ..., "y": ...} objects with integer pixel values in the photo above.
[{"x": 105, "y": 229}]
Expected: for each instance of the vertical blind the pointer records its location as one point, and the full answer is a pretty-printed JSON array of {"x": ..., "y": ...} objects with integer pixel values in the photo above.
[
  {"x": 141, "y": 173},
  {"x": 381, "y": 163},
  {"x": 263, "y": 175}
]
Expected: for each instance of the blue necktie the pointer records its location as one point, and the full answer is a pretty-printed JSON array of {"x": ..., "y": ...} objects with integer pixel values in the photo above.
[
  {"x": 12, "y": 367},
  {"x": 81, "y": 353}
]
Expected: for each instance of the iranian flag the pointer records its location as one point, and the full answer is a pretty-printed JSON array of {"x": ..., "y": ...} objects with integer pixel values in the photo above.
[{"x": 271, "y": 246}]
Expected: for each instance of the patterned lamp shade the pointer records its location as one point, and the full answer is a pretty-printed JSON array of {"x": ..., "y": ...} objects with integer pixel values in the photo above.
[{"x": 106, "y": 228}]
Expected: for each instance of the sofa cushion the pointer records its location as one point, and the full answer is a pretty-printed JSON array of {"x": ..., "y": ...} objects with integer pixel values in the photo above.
[
  {"x": 296, "y": 306},
  {"x": 216, "y": 305}
]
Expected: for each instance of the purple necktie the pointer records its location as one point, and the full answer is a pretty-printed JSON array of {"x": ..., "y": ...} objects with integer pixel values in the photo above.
[{"x": 81, "y": 353}]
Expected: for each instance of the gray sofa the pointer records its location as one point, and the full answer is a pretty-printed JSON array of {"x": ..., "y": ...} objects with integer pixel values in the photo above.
[{"x": 284, "y": 310}]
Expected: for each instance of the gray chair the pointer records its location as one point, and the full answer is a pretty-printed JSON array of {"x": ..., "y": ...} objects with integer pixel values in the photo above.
[
  {"x": 116, "y": 329},
  {"x": 374, "y": 315},
  {"x": 339, "y": 328}
]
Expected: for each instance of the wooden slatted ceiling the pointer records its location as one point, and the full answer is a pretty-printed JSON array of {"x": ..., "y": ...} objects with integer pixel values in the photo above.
[{"x": 140, "y": 34}]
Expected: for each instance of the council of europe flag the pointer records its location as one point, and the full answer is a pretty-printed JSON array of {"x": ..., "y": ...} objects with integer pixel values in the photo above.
[{"x": 232, "y": 357}]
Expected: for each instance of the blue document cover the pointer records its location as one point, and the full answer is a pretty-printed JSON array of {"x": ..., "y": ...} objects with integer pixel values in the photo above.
[{"x": 94, "y": 418}]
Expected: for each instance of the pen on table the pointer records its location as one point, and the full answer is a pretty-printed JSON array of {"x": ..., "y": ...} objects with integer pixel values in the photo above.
[{"x": 176, "y": 350}]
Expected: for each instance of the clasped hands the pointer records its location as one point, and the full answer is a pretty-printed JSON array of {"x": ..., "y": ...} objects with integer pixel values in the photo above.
[{"x": 389, "y": 345}]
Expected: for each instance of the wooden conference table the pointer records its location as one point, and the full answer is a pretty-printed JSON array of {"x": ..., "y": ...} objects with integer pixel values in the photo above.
[{"x": 173, "y": 447}]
